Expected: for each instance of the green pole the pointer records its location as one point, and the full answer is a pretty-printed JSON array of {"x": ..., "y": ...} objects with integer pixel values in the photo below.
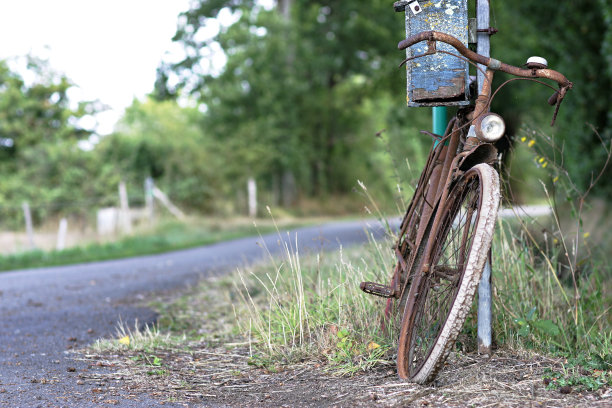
[{"x": 439, "y": 120}]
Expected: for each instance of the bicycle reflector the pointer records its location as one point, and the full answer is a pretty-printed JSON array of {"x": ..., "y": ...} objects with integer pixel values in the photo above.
[{"x": 490, "y": 127}]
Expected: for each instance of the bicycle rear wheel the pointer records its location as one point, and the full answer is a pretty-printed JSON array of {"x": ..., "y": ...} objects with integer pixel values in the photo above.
[{"x": 441, "y": 296}]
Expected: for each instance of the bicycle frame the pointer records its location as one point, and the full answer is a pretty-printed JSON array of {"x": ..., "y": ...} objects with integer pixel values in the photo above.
[{"x": 437, "y": 178}]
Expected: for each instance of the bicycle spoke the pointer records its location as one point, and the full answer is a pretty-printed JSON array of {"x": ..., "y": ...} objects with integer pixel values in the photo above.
[{"x": 441, "y": 284}]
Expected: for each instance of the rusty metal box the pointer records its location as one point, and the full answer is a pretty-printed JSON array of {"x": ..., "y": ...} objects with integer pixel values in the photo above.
[{"x": 439, "y": 79}]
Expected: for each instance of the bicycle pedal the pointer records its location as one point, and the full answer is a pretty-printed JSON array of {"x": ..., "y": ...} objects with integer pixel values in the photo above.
[{"x": 377, "y": 289}]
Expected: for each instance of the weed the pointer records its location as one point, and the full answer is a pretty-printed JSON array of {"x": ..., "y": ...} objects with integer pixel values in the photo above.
[
  {"x": 580, "y": 373},
  {"x": 550, "y": 281},
  {"x": 145, "y": 339}
]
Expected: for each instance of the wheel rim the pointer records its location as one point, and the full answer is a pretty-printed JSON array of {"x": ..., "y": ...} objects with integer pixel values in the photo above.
[
  {"x": 394, "y": 309},
  {"x": 439, "y": 287}
]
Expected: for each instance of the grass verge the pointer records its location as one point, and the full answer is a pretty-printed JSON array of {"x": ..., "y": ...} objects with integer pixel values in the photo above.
[
  {"x": 299, "y": 308},
  {"x": 166, "y": 236},
  {"x": 298, "y": 325}
]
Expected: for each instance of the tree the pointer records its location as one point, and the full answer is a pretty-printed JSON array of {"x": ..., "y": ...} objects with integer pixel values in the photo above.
[
  {"x": 576, "y": 39},
  {"x": 37, "y": 112},
  {"x": 40, "y": 159},
  {"x": 294, "y": 94},
  {"x": 162, "y": 140}
]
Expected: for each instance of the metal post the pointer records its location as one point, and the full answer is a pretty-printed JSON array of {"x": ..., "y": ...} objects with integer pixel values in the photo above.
[
  {"x": 439, "y": 120},
  {"x": 485, "y": 313}
]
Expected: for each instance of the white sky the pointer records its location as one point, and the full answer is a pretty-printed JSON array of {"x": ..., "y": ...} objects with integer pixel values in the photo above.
[{"x": 109, "y": 49}]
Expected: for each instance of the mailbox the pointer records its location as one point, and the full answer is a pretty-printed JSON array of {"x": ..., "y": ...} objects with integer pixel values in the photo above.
[{"x": 438, "y": 79}]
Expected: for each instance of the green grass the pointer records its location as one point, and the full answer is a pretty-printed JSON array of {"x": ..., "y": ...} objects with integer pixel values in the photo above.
[
  {"x": 539, "y": 304},
  {"x": 580, "y": 373},
  {"x": 309, "y": 307},
  {"x": 167, "y": 236}
]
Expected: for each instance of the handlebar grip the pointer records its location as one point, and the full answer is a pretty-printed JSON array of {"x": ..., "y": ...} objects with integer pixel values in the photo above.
[{"x": 552, "y": 101}]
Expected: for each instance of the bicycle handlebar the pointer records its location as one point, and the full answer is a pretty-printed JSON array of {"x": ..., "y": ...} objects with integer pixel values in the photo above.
[{"x": 491, "y": 63}]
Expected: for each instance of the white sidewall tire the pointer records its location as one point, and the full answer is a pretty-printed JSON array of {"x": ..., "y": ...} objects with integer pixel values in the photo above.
[{"x": 483, "y": 235}]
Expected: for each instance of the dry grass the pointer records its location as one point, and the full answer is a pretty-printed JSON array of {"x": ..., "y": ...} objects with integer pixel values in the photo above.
[
  {"x": 214, "y": 365},
  {"x": 223, "y": 375}
]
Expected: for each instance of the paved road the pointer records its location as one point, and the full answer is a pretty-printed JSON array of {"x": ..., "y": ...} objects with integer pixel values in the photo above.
[{"x": 47, "y": 312}]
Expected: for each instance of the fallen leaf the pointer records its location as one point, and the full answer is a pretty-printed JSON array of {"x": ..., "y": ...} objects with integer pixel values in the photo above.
[{"x": 373, "y": 346}]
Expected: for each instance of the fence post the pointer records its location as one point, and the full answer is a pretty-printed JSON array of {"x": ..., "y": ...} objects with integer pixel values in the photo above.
[
  {"x": 485, "y": 314},
  {"x": 124, "y": 215},
  {"x": 163, "y": 198},
  {"x": 252, "y": 191},
  {"x": 28, "y": 221},
  {"x": 61, "y": 234},
  {"x": 149, "y": 202}
]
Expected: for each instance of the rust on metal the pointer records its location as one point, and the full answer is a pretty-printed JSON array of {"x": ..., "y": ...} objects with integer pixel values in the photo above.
[
  {"x": 490, "y": 30},
  {"x": 446, "y": 272},
  {"x": 378, "y": 289},
  {"x": 482, "y": 153}
]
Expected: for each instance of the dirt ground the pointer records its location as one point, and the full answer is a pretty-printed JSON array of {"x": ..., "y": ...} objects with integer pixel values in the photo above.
[
  {"x": 219, "y": 372},
  {"x": 221, "y": 376}
]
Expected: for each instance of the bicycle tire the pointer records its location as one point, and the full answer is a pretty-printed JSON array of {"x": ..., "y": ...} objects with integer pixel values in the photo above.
[{"x": 439, "y": 301}]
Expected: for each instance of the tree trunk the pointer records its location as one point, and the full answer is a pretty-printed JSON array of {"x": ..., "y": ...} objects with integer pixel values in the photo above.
[{"x": 284, "y": 8}]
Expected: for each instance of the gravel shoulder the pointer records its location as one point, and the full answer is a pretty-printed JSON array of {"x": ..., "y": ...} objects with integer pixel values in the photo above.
[
  {"x": 221, "y": 377},
  {"x": 218, "y": 370}
]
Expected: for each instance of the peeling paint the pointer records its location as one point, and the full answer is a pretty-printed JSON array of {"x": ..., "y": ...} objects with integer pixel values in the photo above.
[{"x": 439, "y": 79}]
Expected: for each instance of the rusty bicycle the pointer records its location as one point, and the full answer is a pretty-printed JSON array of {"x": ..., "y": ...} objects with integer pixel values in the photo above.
[{"x": 445, "y": 236}]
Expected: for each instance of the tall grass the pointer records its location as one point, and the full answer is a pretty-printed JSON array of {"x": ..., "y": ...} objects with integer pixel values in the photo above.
[
  {"x": 550, "y": 293},
  {"x": 535, "y": 305},
  {"x": 311, "y": 307},
  {"x": 553, "y": 280}
]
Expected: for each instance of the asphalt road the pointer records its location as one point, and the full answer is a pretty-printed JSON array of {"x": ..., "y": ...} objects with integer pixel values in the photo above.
[{"x": 48, "y": 312}]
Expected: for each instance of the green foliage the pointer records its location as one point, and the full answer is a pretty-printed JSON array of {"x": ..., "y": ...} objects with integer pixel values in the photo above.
[
  {"x": 36, "y": 112},
  {"x": 576, "y": 39},
  {"x": 165, "y": 141},
  {"x": 585, "y": 372},
  {"x": 547, "y": 312},
  {"x": 40, "y": 160},
  {"x": 531, "y": 323},
  {"x": 299, "y": 93},
  {"x": 306, "y": 89}
]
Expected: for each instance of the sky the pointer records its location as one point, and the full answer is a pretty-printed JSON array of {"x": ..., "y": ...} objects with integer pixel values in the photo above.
[{"x": 109, "y": 49}]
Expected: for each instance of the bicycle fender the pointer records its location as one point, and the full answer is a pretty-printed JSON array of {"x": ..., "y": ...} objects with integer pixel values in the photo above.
[{"x": 484, "y": 153}]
